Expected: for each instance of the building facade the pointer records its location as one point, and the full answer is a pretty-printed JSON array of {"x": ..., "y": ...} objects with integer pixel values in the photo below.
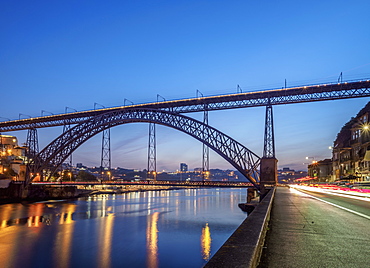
[
  {"x": 321, "y": 170},
  {"x": 351, "y": 150},
  {"x": 183, "y": 167},
  {"x": 12, "y": 158}
]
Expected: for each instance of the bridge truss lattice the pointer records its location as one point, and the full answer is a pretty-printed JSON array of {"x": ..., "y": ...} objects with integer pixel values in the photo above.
[{"x": 239, "y": 156}]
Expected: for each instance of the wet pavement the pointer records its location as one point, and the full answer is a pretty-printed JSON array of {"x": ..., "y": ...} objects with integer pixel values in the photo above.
[{"x": 306, "y": 232}]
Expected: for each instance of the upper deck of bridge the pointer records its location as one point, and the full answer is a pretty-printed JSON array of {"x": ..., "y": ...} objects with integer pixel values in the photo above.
[{"x": 308, "y": 93}]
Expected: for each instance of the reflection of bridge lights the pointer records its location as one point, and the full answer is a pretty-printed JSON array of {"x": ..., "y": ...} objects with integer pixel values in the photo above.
[
  {"x": 63, "y": 242},
  {"x": 105, "y": 240},
  {"x": 152, "y": 240},
  {"x": 206, "y": 242}
]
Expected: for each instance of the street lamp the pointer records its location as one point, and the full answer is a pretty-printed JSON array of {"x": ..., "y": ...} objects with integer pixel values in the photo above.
[{"x": 313, "y": 159}]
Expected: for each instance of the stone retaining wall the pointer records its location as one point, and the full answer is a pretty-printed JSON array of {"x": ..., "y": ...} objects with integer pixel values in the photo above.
[{"x": 244, "y": 246}]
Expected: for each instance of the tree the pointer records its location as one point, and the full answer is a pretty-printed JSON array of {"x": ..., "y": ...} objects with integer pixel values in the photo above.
[{"x": 85, "y": 176}]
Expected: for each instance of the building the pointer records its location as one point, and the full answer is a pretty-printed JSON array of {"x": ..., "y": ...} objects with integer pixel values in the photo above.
[
  {"x": 287, "y": 175},
  {"x": 183, "y": 167},
  {"x": 12, "y": 158},
  {"x": 351, "y": 150},
  {"x": 321, "y": 170}
]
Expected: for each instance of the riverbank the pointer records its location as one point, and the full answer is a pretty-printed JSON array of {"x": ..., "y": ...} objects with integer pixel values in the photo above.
[{"x": 16, "y": 193}]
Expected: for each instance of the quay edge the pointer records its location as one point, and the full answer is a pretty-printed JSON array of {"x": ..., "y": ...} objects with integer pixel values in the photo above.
[{"x": 244, "y": 246}]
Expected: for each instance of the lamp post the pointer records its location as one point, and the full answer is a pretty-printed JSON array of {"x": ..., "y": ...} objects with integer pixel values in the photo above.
[{"x": 311, "y": 157}]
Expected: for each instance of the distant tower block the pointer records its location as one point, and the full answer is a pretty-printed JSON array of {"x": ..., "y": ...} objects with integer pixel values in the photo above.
[{"x": 183, "y": 167}]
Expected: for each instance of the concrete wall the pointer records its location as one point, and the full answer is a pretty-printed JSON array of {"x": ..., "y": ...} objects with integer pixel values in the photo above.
[{"x": 244, "y": 247}]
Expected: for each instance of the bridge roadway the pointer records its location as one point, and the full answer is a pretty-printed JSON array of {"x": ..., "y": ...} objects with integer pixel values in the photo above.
[
  {"x": 309, "y": 93},
  {"x": 306, "y": 231}
]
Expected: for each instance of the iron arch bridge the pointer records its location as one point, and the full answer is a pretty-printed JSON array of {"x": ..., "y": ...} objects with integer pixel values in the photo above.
[{"x": 54, "y": 154}]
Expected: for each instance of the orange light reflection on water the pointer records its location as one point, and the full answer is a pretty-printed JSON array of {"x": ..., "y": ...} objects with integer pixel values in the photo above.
[
  {"x": 152, "y": 240},
  {"x": 63, "y": 241},
  {"x": 206, "y": 242},
  {"x": 105, "y": 241}
]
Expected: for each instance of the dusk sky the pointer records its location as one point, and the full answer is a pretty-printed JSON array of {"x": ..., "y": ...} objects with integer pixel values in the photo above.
[{"x": 58, "y": 54}]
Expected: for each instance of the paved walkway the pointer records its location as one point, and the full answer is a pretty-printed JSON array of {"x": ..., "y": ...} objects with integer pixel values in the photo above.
[{"x": 305, "y": 232}]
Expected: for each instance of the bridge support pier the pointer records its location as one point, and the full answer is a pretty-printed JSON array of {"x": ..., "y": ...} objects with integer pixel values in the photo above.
[
  {"x": 268, "y": 164},
  {"x": 268, "y": 173}
]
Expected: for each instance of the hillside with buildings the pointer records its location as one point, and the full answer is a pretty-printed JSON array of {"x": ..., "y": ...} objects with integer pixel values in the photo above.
[{"x": 350, "y": 152}]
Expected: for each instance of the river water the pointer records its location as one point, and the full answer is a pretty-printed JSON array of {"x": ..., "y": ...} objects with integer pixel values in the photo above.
[{"x": 172, "y": 228}]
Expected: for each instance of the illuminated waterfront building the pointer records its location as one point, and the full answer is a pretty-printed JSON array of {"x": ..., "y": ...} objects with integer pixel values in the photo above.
[
  {"x": 351, "y": 150},
  {"x": 12, "y": 158}
]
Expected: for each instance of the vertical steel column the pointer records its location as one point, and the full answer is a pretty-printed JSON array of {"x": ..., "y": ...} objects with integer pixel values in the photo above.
[
  {"x": 105, "y": 164},
  {"x": 269, "y": 140},
  {"x": 32, "y": 150},
  {"x": 268, "y": 165},
  {"x": 205, "y": 147},
  {"x": 32, "y": 143},
  {"x": 152, "y": 153},
  {"x": 67, "y": 127}
]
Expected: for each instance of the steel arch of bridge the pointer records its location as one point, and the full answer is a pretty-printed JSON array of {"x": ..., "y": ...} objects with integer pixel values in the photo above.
[{"x": 54, "y": 154}]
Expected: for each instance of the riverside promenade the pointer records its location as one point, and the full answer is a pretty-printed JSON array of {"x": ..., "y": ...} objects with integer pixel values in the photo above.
[{"x": 306, "y": 231}]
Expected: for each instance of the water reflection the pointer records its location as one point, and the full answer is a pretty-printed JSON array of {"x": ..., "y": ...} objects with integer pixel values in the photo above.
[
  {"x": 139, "y": 229},
  {"x": 63, "y": 241},
  {"x": 105, "y": 241},
  {"x": 206, "y": 242},
  {"x": 152, "y": 240}
]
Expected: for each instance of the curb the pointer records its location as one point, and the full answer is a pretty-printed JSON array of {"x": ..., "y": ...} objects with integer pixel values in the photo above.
[{"x": 244, "y": 246}]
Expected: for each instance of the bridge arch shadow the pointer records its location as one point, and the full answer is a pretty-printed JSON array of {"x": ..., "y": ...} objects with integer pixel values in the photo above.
[{"x": 239, "y": 156}]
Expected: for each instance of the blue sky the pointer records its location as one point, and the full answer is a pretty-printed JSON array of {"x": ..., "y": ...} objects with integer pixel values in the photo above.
[{"x": 57, "y": 54}]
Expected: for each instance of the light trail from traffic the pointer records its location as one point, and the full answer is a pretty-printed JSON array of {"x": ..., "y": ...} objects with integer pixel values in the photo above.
[
  {"x": 300, "y": 189},
  {"x": 349, "y": 193}
]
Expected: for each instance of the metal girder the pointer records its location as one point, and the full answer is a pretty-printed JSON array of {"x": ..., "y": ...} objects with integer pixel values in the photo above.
[
  {"x": 105, "y": 161},
  {"x": 241, "y": 100},
  {"x": 152, "y": 152},
  {"x": 232, "y": 151},
  {"x": 205, "y": 162},
  {"x": 32, "y": 150},
  {"x": 66, "y": 127},
  {"x": 269, "y": 139},
  {"x": 32, "y": 143}
]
